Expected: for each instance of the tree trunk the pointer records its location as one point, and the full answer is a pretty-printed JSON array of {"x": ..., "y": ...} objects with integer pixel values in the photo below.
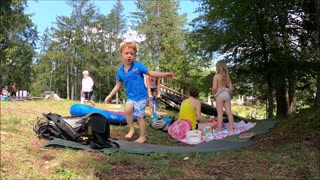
[
  {"x": 68, "y": 81},
  {"x": 292, "y": 94},
  {"x": 101, "y": 96},
  {"x": 282, "y": 103},
  {"x": 270, "y": 106},
  {"x": 77, "y": 85},
  {"x": 317, "y": 99},
  {"x": 72, "y": 88}
]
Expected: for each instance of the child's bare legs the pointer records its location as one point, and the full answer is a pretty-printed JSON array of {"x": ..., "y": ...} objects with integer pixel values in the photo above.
[
  {"x": 128, "y": 110},
  {"x": 227, "y": 106},
  {"x": 151, "y": 107},
  {"x": 219, "y": 106},
  {"x": 142, "y": 125}
]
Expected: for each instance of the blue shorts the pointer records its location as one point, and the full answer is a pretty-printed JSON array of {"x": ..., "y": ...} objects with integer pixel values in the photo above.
[
  {"x": 153, "y": 89},
  {"x": 139, "y": 107}
]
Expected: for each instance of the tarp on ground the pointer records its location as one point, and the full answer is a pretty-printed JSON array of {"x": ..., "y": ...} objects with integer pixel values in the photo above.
[{"x": 229, "y": 143}]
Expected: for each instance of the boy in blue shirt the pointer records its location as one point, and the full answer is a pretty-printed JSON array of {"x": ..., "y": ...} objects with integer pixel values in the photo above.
[{"x": 130, "y": 73}]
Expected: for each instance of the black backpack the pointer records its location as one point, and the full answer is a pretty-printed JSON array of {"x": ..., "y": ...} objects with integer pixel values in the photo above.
[{"x": 93, "y": 129}]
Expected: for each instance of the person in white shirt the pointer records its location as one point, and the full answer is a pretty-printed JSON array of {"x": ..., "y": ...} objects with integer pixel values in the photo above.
[
  {"x": 87, "y": 88},
  {"x": 4, "y": 94}
]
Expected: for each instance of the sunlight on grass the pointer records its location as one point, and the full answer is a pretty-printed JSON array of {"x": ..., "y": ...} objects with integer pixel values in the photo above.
[
  {"x": 246, "y": 111},
  {"x": 65, "y": 173},
  {"x": 11, "y": 125}
]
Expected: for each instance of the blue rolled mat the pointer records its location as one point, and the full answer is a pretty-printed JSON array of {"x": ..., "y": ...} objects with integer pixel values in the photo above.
[{"x": 114, "y": 117}]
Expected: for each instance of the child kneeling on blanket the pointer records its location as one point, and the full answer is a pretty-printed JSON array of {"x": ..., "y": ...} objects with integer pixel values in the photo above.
[{"x": 190, "y": 111}]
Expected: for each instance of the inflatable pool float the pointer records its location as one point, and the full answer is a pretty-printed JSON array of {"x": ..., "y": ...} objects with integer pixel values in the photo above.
[{"x": 114, "y": 117}]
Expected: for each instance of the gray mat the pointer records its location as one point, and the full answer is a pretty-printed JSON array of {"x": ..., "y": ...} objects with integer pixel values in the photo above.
[
  {"x": 229, "y": 143},
  {"x": 138, "y": 148}
]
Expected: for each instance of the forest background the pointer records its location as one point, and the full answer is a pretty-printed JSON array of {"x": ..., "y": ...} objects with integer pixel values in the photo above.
[{"x": 272, "y": 48}]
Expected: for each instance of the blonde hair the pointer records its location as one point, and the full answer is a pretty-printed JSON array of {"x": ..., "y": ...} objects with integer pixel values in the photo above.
[
  {"x": 85, "y": 72},
  {"x": 222, "y": 69},
  {"x": 128, "y": 45}
]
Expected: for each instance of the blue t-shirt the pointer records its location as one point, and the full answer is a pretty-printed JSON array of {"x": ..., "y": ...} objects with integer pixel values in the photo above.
[{"x": 133, "y": 81}]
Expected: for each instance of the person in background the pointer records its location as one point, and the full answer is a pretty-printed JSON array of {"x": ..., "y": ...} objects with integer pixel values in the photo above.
[
  {"x": 190, "y": 110},
  {"x": 87, "y": 88},
  {"x": 222, "y": 88},
  {"x": 5, "y": 94},
  {"x": 131, "y": 75},
  {"x": 13, "y": 90},
  {"x": 153, "y": 86}
]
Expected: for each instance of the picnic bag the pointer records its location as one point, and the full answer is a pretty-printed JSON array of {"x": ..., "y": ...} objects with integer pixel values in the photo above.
[{"x": 179, "y": 129}]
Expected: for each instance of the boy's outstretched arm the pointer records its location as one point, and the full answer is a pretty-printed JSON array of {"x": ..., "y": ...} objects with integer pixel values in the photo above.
[
  {"x": 113, "y": 92},
  {"x": 161, "y": 74}
]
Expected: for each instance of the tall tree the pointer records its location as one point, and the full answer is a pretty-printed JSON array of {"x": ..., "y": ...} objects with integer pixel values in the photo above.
[
  {"x": 86, "y": 40},
  {"x": 71, "y": 40},
  {"x": 17, "y": 42},
  {"x": 163, "y": 28},
  {"x": 113, "y": 27},
  {"x": 310, "y": 42},
  {"x": 260, "y": 40}
]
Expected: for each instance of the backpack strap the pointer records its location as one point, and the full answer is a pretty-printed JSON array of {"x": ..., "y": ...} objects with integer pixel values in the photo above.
[
  {"x": 67, "y": 130},
  {"x": 112, "y": 142}
]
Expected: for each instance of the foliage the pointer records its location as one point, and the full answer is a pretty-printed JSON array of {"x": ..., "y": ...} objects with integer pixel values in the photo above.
[
  {"x": 272, "y": 48},
  {"x": 263, "y": 42},
  {"x": 17, "y": 40},
  {"x": 306, "y": 120},
  {"x": 86, "y": 40},
  {"x": 165, "y": 45}
]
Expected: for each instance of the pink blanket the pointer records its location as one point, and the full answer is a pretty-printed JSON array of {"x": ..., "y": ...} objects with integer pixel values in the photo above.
[{"x": 239, "y": 127}]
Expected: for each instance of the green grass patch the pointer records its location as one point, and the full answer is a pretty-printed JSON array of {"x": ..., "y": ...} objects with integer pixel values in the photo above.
[
  {"x": 65, "y": 173},
  {"x": 306, "y": 120},
  {"x": 13, "y": 124}
]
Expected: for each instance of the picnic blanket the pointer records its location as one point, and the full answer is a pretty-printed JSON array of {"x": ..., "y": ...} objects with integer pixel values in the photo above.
[
  {"x": 239, "y": 127},
  {"x": 228, "y": 143}
]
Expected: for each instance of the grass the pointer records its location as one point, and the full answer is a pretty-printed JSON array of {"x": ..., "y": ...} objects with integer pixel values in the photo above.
[{"x": 291, "y": 151}]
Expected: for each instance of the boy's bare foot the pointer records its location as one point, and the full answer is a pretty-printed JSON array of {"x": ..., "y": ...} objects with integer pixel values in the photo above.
[
  {"x": 141, "y": 140},
  {"x": 130, "y": 134}
]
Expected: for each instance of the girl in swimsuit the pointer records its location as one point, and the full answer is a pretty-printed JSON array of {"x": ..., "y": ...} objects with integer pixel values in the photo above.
[
  {"x": 222, "y": 87},
  {"x": 153, "y": 86}
]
